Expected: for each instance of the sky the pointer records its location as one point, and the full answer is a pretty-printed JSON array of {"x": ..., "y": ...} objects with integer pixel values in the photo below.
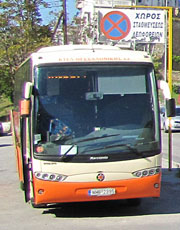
[
  {"x": 71, "y": 7},
  {"x": 55, "y": 6}
]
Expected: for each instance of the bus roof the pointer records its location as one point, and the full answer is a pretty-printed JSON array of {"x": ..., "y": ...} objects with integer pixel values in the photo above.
[{"x": 88, "y": 54}]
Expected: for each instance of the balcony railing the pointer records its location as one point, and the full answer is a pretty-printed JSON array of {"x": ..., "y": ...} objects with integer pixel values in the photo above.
[
  {"x": 103, "y": 3},
  {"x": 113, "y": 2}
]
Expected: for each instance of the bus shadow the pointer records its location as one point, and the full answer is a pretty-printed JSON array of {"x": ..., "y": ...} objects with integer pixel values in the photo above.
[
  {"x": 5, "y": 145},
  {"x": 168, "y": 203}
]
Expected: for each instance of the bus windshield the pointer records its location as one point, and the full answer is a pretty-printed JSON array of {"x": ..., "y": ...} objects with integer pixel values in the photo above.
[{"x": 95, "y": 111}]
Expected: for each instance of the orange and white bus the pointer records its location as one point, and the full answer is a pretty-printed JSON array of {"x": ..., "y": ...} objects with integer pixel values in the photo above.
[{"x": 86, "y": 125}]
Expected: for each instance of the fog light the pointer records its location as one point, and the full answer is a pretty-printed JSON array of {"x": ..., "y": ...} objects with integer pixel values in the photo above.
[
  {"x": 40, "y": 191},
  {"x": 156, "y": 185}
]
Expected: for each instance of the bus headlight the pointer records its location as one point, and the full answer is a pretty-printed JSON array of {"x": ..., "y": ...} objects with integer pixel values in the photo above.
[
  {"x": 147, "y": 172},
  {"x": 50, "y": 176}
]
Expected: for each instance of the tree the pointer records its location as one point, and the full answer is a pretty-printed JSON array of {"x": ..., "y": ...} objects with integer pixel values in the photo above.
[
  {"x": 176, "y": 41},
  {"x": 21, "y": 33}
]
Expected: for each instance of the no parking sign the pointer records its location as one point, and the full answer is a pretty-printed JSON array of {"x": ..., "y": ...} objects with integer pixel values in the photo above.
[
  {"x": 128, "y": 25},
  {"x": 115, "y": 25}
]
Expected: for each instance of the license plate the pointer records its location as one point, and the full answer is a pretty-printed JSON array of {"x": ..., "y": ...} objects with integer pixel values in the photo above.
[{"x": 102, "y": 192}]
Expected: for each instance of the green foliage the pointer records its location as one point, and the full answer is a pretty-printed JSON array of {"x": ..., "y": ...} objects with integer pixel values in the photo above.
[
  {"x": 157, "y": 67},
  {"x": 176, "y": 58},
  {"x": 6, "y": 82},
  {"x": 5, "y": 107},
  {"x": 176, "y": 92},
  {"x": 75, "y": 34},
  {"x": 21, "y": 33},
  {"x": 176, "y": 88}
]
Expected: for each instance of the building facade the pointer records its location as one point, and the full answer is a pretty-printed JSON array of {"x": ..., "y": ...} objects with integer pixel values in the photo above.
[{"x": 172, "y": 3}]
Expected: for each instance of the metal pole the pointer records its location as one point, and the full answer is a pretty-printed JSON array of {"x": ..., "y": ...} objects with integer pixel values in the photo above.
[
  {"x": 170, "y": 145},
  {"x": 65, "y": 23},
  {"x": 170, "y": 51},
  {"x": 166, "y": 2},
  {"x": 170, "y": 81},
  {"x": 165, "y": 49}
]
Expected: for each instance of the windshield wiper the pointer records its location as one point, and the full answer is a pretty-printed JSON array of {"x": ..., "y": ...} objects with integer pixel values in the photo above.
[{"x": 64, "y": 156}]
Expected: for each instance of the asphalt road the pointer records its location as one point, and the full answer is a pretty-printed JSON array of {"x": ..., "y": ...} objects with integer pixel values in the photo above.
[{"x": 162, "y": 213}]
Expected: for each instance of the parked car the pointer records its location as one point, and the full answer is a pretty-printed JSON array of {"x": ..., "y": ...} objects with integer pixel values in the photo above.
[
  {"x": 5, "y": 127},
  {"x": 174, "y": 121}
]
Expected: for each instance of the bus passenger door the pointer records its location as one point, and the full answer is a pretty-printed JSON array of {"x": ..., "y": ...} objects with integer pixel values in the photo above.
[
  {"x": 25, "y": 140},
  {"x": 25, "y": 156},
  {"x": 20, "y": 129}
]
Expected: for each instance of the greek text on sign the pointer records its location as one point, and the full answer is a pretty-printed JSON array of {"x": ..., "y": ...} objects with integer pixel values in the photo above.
[{"x": 137, "y": 25}]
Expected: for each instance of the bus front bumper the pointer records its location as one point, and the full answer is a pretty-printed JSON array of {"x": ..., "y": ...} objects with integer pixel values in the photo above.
[{"x": 46, "y": 192}]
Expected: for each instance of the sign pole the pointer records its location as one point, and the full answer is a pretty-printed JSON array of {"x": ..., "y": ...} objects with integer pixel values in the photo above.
[
  {"x": 170, "y": 50},
  {"x": 165, "y": 50},
  {"x": 170, "y": 83}
]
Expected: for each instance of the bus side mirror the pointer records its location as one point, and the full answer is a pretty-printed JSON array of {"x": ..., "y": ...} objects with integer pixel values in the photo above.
[
  {"x": 25, "y": 107},
  {"x": 25, "y": 102},
  {"x": 171, "y": 107}
]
